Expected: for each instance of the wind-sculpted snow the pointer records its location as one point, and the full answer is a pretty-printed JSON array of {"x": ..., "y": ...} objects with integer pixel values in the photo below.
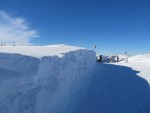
[
  {"x": 61, "y": 78},
  {"x": 45, "y": 85}
]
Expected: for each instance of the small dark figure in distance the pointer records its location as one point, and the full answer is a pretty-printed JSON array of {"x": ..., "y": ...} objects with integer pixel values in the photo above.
[
  {"x": 99, "y": 59},
  {"x": 126, "y": 57},
  {"x": 117, "y": 59}
]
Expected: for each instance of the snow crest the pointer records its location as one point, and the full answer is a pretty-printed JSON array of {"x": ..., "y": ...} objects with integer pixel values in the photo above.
[{"x": 33, "y": 85}]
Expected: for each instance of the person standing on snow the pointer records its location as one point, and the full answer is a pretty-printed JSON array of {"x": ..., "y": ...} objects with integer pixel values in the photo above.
[
  {"x": 117, "y": 58},
  {"x": 99, "y": 58},
  {"x": 126, "y": 57}
]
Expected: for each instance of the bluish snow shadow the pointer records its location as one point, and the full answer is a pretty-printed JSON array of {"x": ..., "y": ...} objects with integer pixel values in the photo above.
[
  {"x": 113, "y": 89},
  {"x": 8, "y": 74},
  {"x": 13, "y": 64}
]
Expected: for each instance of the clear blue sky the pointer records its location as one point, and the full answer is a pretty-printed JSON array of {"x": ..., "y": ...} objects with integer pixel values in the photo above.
[{"x": 115, "y": 26}]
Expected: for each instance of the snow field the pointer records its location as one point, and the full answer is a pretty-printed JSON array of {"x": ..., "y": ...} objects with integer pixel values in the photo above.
[{"x": 66, "y": 79}]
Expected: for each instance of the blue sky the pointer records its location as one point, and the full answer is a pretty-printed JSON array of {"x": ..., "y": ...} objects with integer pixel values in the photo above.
[{"x": 115, "y": 26}]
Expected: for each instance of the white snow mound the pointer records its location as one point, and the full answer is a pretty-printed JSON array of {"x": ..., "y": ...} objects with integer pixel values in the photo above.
[
  {"x": 39, "y": 51},
  {"x": 41, "y": 79}
]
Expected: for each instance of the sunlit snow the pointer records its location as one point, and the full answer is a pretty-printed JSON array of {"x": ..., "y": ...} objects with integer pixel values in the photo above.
[{"x": 67, "y": 79}]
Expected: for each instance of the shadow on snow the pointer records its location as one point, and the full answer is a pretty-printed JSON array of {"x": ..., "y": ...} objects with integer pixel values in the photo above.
[{"x": 113, "y": 89}]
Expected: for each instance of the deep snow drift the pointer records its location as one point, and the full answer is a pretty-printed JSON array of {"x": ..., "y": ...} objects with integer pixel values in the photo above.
[
  {"x": 67, "y": 79},
  {"x": 42, "y": 79}
]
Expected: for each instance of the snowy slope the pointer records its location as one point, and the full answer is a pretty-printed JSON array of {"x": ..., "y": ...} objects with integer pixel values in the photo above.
[
  {"x": 67, "y": 79},
  {"x": 40, "y": 79},
  {"x": 141, "y": 58},
  {"x": 39, "y": 51},
  {"x": 116, "y": 88},
  {"x": 140, "y": 63}
]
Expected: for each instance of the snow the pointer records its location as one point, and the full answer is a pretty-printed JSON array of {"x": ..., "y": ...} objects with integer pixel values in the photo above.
[
  {"x": 140, "y": 63},
  {"x": 67, "y": 79},
  {"x": 41, "y": 79},
  {"x": 39, "y": 51}
]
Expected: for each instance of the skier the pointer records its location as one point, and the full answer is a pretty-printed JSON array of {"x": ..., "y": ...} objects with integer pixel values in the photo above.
[{"x": 126, "y": 57}]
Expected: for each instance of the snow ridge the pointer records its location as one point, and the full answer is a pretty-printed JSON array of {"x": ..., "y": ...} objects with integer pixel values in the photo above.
[{"x": 33, "y": 85}]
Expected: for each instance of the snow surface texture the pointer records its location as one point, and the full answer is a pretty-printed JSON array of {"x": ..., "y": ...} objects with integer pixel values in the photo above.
[
  {"x": 42, "y": 84},
  {"x": 39, "y": 51},
  {"x": 140, "y": 63},
  {"x": 67, "y": 79}
]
